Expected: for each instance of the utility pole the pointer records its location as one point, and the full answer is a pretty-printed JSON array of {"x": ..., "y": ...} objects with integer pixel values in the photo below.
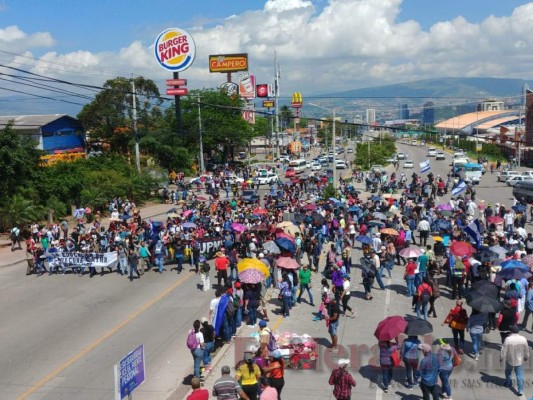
[
  {"x": 135, "y": 133},
  {"x": 202, "y": 166},
  {"x": 276, "y": 96},
  {"x": 334, "y": 153}
]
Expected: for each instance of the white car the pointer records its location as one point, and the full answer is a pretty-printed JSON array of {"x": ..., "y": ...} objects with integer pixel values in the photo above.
[
  {"x": 408, "y": 164},
  {"x": 232, "y": 178},
  {"x": 316, "y": 166},
  {"x": 506, "y": 175},
  {"x": 513, "y": 180},
  {"x": 308, "y": 164},
  {"x": 440, "y": 156},
  {"x": 350, "y": 150},
  {"x": 340, "y": 164},
  {"x": 432, "y": 152},
  {"x": 401, "y": 156},
  {"x": 202, "y": 178},
  {"x": 267, "y": 179}
]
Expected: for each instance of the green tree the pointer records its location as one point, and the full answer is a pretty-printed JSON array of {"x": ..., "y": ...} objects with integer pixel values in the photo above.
[{"x": 109, "y": 115}]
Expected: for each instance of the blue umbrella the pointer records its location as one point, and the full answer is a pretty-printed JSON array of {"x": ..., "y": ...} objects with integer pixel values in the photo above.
[
  {"x": 514, "y": 273},
  {"x": 286, "y": 244},
  {"x": 353, "y": 209},
  {"x": 519, "y": 208},
  {"x": 333, "y": 199},
  {"x": 375, "y": 198},
  {"x": 514, "y": 264},
  {"x": 364, "y": 239},
  {"x": 376, "y": 223},
  {"x": 172, "y": 210}
]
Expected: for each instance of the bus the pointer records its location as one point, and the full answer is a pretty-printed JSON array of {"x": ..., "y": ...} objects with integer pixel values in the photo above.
[
  {"x": 298, "y": 165},
  {"x": 473, "y": 173}
]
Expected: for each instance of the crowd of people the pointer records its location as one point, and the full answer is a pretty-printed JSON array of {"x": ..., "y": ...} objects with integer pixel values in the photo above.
[{"x": 459, "y": 247}]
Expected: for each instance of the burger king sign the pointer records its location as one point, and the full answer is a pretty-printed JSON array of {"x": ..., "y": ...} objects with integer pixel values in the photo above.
[{"x": 174, "y": 49}]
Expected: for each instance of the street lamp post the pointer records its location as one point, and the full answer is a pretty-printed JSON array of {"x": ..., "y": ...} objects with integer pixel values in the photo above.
[{"x": 333, "y": 140}]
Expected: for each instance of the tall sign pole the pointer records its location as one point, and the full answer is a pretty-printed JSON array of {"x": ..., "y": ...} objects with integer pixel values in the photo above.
[
  {"x": 276, "y": 95},
  {"x": 175, "y": 51}
]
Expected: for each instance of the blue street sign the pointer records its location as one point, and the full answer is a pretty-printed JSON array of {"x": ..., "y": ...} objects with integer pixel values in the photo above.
[{"x": 129, "y": 373}]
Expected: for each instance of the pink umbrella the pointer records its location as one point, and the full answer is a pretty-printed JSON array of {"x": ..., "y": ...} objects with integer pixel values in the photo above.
[
  {"x": 309, "y": 207},
  {"x": 260, "y": 211},
  {"x": 238, "y": 227},
  {"x": 201, "y": 198},
  {"x": 186, "y": 213},
  {"x": 445, "y": 207},
  {"x": 286, "y": 236},
  {"x": 251, "y": 276},
  {"x": 287, "y": 263}
]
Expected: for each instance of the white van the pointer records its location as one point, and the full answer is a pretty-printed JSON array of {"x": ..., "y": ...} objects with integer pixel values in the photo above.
[{"x": 298, "y": 165}]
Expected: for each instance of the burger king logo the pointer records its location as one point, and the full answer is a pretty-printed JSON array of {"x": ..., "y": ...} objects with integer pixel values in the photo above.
[{"x": 174, "y": 49}]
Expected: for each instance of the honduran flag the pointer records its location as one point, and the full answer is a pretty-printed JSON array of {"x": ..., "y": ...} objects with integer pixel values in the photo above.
[
  {"x": 459, "y": 188},
  {"x": 424, "y": 166}
]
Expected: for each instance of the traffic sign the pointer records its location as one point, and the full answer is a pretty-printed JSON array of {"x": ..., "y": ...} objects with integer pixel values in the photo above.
[
  {"x": 177, "y": 91},
  {"x": 176, "y": 82},
  {"x": 129, "y": 373}
]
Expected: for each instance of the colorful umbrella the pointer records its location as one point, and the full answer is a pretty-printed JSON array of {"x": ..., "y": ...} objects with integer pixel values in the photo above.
[
  {"x": 390, "y": 328},
  {"x": 444, "y": 207},
  {"x": 379, "y": 215},
  {"x": 528, "y": 260},
  {"x": 251, "y": 276},
  {"x": 258, "y": 228},
  {"x": 189, "y": 225},
  {"x": 411, "y": 252},
  {"x": 437, "y": 239},
  {"x": 253, "y": 263},
  {"x": 260, "y": 211},
  {"x": 461, "y": 249},
  {"x": 389, "y": 231},
  {"x": 286, "y": 244},
  {"x": 514, "y": 273},
  {"x": 514, "y": 264},
  {"x": 286, "y": 236},
  {"x": 186, "y": 213},
  {"x": 377, "y": 223},
  {"x": 237, "y": 227},
  {"x": 289, "y": 228},
  {"x": 201, "y": 198},
  {"x": 287, "y": 263},
  {"x": 495, "y": 220}
]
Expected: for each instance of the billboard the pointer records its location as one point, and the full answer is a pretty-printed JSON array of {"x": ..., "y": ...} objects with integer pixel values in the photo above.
[
  {"x": 248, "y": 115},
  {"x": 262, "y": 90},
  {"x": 269, "y": 103},
  {"x": 228, "y": 62},
  {"x": 246, "y": 86},
  {"x": 296, "y": 100},
  {"x": 231, "y": 88},
  {"x": 174, "y": 49}
]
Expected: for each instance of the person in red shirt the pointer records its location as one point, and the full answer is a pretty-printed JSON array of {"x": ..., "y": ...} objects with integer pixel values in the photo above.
[
  {"x": 409, "y": 277},
  {"x": 424, "y": 293},
  {"x": 197, "y": 392},
  {"x": 221, "y": 266}
]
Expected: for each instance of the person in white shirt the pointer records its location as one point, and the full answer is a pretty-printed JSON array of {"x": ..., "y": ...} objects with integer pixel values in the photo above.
[
  {"x": 509, "y": 221},
  {"x": 515, "y": 351},
  {"x": 423, "y": 229}
]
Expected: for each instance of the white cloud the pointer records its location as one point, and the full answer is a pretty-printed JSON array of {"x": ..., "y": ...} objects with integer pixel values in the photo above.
[{"x": 347, "y": 44}]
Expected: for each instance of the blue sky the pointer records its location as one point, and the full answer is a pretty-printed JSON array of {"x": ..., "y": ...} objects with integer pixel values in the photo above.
[{"x": 322, "y": 46}]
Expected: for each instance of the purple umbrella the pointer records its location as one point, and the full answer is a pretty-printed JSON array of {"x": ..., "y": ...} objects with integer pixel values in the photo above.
[
  {"x": 251, "y": 276},
  {"x": 445, "y": 207},
  {"x": 238, "y": 227},
  {"x": 189, "y": 225}
]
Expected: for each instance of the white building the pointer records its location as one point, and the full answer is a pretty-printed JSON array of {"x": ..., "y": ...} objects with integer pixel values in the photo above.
[{"x": 370, "y": 116}]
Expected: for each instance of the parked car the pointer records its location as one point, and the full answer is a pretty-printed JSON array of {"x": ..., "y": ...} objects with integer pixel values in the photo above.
[
  {"x": 350, "y": 150},
  {"x": 249, "y": 196},
  {"x": 232, "y": 178},
  {"x": 290, "y": 172},
  {"x": 340, "y": 164},
  {"x": 503, "y": 176},
  {"x": 202, "y": 178},
  {"x": 440, "y": 155},
  {"x": 408, "y": 164},
  {"x": 514, "y": 179},
  {"x": 523, "y": 191},
  {"x": 377, "y": 168},
  {"x": 401, "y": 156},
  {"x": 267, "y": 179}
]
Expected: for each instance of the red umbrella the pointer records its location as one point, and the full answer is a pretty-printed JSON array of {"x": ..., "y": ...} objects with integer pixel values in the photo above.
[
  {"x": 461, "y": 249},
  {"x": 390, "y": 328},
  {"x": 201, "y": 198},
  {"x": 495, "y": 220},
  {"x": 309, "y": 207},
  {"x": 260, "y": 211},
  {"x": 287, "y": 263}
]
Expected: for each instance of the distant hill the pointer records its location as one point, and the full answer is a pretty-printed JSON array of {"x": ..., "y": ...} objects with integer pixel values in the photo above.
[{"x": 443, "y": 87}]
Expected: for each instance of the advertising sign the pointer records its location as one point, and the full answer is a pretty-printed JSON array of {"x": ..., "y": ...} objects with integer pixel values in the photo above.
[
  {"x": 176, "y": 82},
  {"x": 296, "y": 100},
  {"x": 129, "y": 373},
  {"x": 247, "y": 86},
  {"x": 249, "y": 116},
  {"x": 177, "y": 91},
  {"x": 269, "y": 103},
  {"x": 231, "y": 88},
  {"x": 479, "y": 147},
  {"x": 174, "y": 49},
  {"x": 261, "y": 90},
  {"x": 228, "y": 62}
]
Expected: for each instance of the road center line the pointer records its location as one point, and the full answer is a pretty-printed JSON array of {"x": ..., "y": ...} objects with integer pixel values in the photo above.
[{"x": 102, "y": 338}]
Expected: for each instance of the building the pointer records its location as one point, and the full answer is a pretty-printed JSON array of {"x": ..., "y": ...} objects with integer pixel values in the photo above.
[
  {"x": 404, "y": 111},
  {"x": 473, "y": 123},
  {"x": 370, "y": 116},
  {"x": 54, "y": 133},
  {"x": 428, "y": 114},
  {"x": 491, "y": 105}
]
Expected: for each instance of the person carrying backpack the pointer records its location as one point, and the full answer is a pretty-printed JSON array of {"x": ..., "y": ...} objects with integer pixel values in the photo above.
[
  {"x": 15, "y": 238},
  {"x": 195, "y": 343},
  {"x": 160, "y": 253},
  {"x": 424, "y": 293}
]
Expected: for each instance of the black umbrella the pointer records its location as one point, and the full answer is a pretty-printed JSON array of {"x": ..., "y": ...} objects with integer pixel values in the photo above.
[
  {"x": 299, "y": 218},
  {"x": 418, "y": 327},
  {"x": 484, "y": 304},
  {"x": 484, "y": 286},
  {"x": 487, "y": 256},
  {"x": 318, "y": 219}
]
